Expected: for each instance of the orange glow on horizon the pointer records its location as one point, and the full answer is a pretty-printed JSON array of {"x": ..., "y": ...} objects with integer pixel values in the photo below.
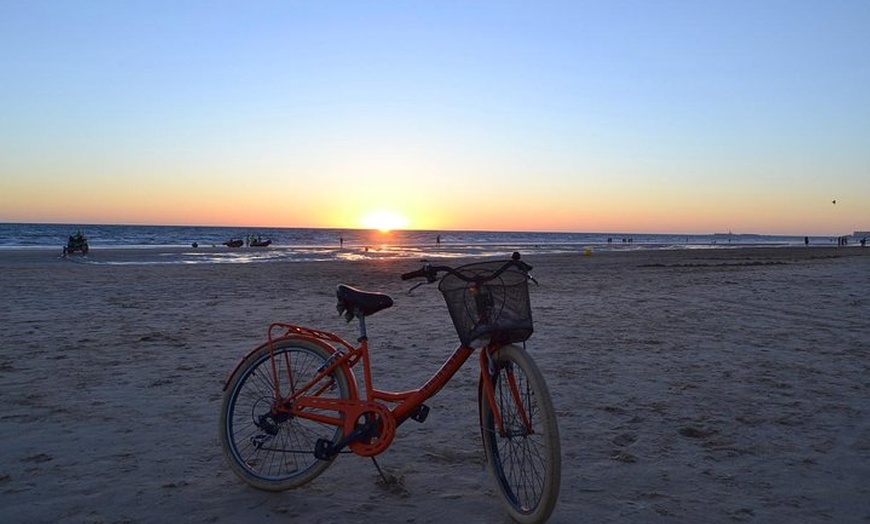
[{"x": 537, "y": 209}]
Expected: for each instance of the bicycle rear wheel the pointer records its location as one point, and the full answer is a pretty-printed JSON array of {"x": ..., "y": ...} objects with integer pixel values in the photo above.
[
  {"x": 524, "y": 456},
  {"x": 277, "y": 453}
]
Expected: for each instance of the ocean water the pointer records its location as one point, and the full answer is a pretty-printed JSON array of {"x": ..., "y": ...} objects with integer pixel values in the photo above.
[{"x": 333, "y": 244}]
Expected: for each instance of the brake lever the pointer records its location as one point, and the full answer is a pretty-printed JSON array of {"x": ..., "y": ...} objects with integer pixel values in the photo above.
[
  {"x": 415, "y": 286},
  {"x": 431, "y": 276}
]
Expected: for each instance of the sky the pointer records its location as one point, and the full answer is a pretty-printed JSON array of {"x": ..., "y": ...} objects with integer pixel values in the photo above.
[{"x": 643, "y": 116}]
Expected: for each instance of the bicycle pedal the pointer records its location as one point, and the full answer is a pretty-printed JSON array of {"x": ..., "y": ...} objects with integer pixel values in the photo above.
[{"x": 420, "y": 413}]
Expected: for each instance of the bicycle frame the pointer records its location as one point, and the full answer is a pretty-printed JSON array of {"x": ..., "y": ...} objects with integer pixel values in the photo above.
[
  {"x": 303, "y": 400},
  {"x": 346, "y": 358}
]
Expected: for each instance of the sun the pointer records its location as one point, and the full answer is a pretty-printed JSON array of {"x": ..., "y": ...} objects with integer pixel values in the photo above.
[{"x": 384, "y": 220}]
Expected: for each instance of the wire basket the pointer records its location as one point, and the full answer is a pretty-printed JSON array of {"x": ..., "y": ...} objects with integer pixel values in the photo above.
[{"x": 493, "y": 309}]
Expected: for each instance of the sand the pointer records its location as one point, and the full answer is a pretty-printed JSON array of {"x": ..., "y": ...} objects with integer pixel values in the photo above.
[{"x": 724, "y": 385}]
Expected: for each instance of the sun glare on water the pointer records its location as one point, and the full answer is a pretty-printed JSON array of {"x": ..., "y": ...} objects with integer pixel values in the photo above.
[{"x": 384, "y": 221}]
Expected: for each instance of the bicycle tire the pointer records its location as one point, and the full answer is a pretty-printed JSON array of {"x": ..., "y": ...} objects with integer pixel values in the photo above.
[
  {"x": 285, "y": 459},
  {"x": 526, "y": 466}
]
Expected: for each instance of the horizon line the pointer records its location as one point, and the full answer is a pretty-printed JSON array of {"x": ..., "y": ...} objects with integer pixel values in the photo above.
[{"x": 459, "y": 230}]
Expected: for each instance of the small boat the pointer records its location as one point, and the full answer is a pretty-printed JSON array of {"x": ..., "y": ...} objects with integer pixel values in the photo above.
[
  {"x": 76, "y": 244},
  {"x": 261, "y": 243},
  {"x": 234, "y": 242}
]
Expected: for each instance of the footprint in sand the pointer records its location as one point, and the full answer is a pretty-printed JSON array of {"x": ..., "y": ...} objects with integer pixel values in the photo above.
[
  {"x": 625, "y": 439},
  {"x": 690, "y": 432},
  {"x": 38, "y": 459},
  {"x": 620, "y": 455}
]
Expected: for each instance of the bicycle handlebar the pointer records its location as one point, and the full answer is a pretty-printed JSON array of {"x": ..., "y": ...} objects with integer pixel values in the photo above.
[
  {"x": 430, "y": 272},
  {"x": 416, "y": 274}
]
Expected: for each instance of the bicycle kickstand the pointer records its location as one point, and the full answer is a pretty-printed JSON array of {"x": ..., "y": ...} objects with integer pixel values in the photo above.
[{"x": 381, "y": 472}]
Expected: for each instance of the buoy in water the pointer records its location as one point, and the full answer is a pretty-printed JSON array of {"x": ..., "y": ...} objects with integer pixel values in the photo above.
[{"x": 587, "y": 252}]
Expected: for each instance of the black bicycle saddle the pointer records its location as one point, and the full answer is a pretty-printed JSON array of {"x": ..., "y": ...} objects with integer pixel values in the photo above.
[{"x": 353, "y": 301}]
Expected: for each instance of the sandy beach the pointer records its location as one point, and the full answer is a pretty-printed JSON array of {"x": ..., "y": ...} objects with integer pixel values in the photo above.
[{"x": 723, "y": 385}]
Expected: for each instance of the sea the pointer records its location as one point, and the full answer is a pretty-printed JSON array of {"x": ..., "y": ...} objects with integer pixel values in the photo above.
[{"x": 205, "y": 244}]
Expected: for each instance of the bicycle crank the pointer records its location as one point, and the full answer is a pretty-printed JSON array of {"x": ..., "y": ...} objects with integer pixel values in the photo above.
[{"x": 369, "y": 430}]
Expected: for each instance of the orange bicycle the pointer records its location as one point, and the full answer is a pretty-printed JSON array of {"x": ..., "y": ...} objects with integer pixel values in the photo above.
[{"x": 293, "y": 404}]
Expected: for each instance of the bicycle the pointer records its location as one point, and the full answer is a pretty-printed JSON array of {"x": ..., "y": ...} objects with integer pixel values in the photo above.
[{"x": 293, "y": 403}]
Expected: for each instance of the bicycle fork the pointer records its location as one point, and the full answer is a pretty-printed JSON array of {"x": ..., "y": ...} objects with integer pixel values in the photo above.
[{"x": 490, "y": 369}]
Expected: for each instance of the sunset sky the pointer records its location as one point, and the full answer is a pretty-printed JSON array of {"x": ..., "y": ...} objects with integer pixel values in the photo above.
[{"x": 588, "y": 116}]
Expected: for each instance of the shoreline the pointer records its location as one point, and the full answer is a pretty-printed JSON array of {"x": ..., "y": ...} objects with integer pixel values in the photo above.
[
  {"x": 161, "y": 255},
  {"x": 448, "y": 242},
  {"x": 720, "y": 385}
]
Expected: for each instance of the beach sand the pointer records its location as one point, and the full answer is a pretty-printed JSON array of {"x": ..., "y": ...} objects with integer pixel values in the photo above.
[{"x": 727, "y": 385}]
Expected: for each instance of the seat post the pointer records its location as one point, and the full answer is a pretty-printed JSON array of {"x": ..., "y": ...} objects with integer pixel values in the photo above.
[{"x": 363, "y": 335}]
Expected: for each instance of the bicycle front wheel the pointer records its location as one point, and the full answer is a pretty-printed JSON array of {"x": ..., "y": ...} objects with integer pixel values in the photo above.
[
  {"x": 523, "y": 454},
  {"x": 269, "y": 452}
]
